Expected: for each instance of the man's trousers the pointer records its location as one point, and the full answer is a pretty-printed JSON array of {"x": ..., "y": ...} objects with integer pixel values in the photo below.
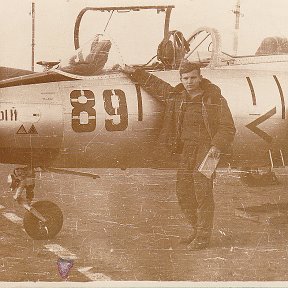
[{"x": 194, "y": 190}]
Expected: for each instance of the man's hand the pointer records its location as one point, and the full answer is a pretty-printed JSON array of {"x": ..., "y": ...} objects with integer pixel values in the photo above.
[{"x": 214, "y": 152}]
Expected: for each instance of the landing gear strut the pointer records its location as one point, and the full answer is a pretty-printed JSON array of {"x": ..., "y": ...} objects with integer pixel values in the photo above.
[{"x": 43, "y": 219}]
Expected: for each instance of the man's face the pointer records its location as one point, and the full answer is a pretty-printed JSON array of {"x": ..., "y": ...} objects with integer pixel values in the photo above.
[{"x": 191, "y": 80}]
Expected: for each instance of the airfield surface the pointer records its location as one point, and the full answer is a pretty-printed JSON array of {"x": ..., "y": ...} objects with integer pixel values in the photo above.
[{"x": 127, "y": 224}]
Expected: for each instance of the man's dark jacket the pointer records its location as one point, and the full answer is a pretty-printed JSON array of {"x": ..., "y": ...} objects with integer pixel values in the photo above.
[{"x": 216, "y": 113}]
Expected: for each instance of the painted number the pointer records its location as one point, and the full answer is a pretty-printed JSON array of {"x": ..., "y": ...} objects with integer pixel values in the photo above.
[
  {"x": 115, "y": 105},
  {"x": 83, "y": 113}
]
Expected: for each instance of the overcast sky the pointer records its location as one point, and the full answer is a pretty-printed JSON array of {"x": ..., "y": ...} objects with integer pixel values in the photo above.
[{"x": 55, "y": 23}]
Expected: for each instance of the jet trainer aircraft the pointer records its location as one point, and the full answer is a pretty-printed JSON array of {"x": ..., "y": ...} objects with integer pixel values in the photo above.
[{"x": 85, "y": 114}]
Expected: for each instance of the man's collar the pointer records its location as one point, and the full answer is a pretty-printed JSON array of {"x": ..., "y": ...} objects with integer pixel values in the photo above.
[{"x": 195, "y": 96}]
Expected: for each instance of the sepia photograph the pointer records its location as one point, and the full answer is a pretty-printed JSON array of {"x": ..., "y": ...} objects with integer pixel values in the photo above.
[{"x": 106, "y": 177}]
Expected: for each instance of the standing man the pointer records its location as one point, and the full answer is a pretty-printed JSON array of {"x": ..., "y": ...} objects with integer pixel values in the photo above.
[{"x": 197, "y": 121}]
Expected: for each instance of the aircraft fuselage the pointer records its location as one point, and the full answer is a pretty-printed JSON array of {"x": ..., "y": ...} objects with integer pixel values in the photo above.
[{"x": 109, "y": 121}]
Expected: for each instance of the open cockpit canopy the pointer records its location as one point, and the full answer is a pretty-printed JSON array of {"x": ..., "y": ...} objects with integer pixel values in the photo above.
[
  {"x": 140, "y": 36},
  {"x": 120, "y": 35}
]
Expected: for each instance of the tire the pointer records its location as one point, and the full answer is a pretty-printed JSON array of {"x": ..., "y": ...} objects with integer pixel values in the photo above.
[{"x": 39, "y": 230}]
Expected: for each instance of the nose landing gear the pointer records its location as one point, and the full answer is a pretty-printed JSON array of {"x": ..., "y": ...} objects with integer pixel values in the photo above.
[{"x": 43, "y": 219}]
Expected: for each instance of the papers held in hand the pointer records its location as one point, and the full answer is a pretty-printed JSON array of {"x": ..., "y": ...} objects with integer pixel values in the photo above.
[{"x": 208, "y": 165}]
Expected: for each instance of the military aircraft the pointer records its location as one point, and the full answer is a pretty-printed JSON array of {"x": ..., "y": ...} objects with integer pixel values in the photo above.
[{"x": 85, "y": 114}]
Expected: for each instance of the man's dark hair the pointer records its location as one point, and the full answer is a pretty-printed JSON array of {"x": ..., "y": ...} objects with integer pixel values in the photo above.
[{"x": 186, "y": 66}]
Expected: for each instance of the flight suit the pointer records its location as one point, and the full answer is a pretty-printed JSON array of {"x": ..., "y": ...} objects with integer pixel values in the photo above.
[
  {"x": 194, "y": 190},
  {"x": 191, "y": 127}
]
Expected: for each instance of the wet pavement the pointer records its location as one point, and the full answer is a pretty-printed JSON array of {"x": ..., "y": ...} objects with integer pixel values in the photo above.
[{"x": 126, "y": 226}]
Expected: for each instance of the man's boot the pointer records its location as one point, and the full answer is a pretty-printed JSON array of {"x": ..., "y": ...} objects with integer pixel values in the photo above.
[
  {"x": 199, "y": 243},
  {"x": 188, "y": 239}
]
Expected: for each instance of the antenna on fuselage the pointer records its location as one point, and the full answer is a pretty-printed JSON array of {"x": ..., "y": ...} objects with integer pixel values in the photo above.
[
  {"x": 33, "y": 36},
  {"x": 237, "y": 25}
]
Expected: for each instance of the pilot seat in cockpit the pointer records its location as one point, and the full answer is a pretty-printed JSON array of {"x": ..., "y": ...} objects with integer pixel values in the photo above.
[
  {"x": 95, "y": 61},
  {"x": 172, "y": 49}
]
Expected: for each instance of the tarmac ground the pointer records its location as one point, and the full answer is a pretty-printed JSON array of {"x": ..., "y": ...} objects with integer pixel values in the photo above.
[{"x": 126, "y": 226}]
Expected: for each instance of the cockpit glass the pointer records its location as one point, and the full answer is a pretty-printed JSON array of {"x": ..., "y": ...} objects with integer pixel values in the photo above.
[
  {"x": 115, "y": 37},
  {"x": 256, "y": 29},
  {"x": 201, "y": 47},
  {"x": 111, "y": 38}
]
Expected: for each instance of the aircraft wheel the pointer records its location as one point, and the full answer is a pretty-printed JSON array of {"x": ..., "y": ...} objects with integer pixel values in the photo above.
[{"x": 39, "y": 230}]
